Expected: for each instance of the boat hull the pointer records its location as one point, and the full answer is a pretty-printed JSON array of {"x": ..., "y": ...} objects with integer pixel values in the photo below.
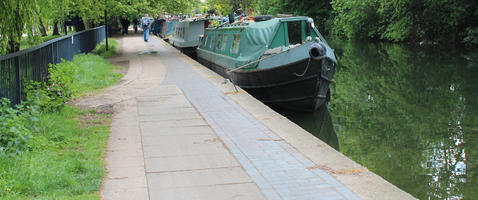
[{"x": 301, "y": 85}]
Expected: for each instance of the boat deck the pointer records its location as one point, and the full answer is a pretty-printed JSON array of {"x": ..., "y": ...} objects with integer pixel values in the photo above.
[{"x": 180, "y": 133}]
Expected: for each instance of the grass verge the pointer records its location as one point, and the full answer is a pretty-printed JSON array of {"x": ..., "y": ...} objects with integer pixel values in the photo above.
[
  {"x": 101, "y": 49},
  {"x": 93, "y": 73},
  {"x": 65, "y": 163},
  {"x": 62, "y": 147}
]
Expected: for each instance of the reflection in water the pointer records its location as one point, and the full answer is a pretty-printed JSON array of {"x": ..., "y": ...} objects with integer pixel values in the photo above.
[
  {"x": 408, "y": 114},
  {"x": 318, "y": 123}
]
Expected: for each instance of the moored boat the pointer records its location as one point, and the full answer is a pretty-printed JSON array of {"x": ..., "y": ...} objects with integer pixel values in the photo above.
[
  {"x": 185, "y": 34},
  {"x": 167, "y": 29},
  {"x": 157, "y": 26},
  {"x": 283, "y": 62}
]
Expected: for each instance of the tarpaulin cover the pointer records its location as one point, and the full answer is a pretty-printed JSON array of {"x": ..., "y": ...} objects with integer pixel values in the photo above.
[{"x": 257, "y": 37}]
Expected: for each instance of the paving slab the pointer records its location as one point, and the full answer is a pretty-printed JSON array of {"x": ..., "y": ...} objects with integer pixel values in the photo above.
[
  {"x": 183, "y": 154},
  {"x": 242, "y": 191},
  {"x": 124, "y": 163},
  {"x": 153, "y": 129},
  {"x": 193, "y": 162},
  {"x": 202, "y": 177}
]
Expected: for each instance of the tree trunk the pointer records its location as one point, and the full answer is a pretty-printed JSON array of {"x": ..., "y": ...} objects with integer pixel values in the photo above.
[
  {"x": 14, "y": 45},
  {"x": 55, "y": 28},
  {"x": 16, "y": 36},
  {"x": 80, "y": 26},
  {"x": 91, "y": 24},
  {"x": 42, "y": 28}
]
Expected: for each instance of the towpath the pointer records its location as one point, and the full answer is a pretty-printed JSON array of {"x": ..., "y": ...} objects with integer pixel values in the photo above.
[{"x": 179, "y": 132}]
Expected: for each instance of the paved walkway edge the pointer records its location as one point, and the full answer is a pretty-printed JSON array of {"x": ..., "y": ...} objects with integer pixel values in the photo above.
[{"x": 357, "y": 178}]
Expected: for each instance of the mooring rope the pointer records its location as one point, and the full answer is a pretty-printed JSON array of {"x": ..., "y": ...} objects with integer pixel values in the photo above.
[
  {"x": 305, "y": 70},
  {"x": 228, "y": 73},
  {"x": 308, "y": 64}
]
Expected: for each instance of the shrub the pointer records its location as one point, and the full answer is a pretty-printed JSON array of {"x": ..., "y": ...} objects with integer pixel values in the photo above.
[
  {"x": 48, "y": 97},
  {"x": 16, "y": 124},
  {"x": 471, "y": 36},
  {"x": 62, "y": 77}
]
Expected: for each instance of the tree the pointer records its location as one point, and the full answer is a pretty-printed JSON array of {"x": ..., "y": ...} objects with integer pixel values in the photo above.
[
  {"x": 221, "y": 7},
  {"x": 318, "y": 10},
  {"x": 16, "y": 18},
  {"x": 355, "y": 19},
  {"x": 406, "y": 20},
  {"x": 228, "y": 7}
]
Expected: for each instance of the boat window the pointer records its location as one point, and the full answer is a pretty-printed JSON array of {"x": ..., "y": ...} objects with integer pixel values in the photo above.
[
  {"x": 211, "y": 45},
  {"x": 219, "y": 40},
  {"x": 224, "y": 41},
  {"x": 204, "y": 40},
  {"x": 308, "y": 29},
  {"x": 294, "y": 29},
  {"x": 235, "y": 43}
]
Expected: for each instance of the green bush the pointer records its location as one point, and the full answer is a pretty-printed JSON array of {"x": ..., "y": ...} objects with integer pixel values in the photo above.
[
  {"x": 62, "y": 78},
  {"x": 471, "y": 36},
  {"x": 47, "y": 96},
  {"x": 15, "y": 132}
]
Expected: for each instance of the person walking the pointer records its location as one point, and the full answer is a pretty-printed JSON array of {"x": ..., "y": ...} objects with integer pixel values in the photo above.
[
  {"x": 135, "y": 24},
  {"x": 125, "y": 24},
  {"x": 146, "y": 25}
]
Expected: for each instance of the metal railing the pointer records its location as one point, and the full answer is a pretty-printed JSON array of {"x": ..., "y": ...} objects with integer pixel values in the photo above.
[{"x": 20, "y": 67}]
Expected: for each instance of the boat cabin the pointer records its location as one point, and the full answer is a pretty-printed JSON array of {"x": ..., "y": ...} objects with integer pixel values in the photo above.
[
  {"x": 167, "y": 29},
  {"x": 246, "y": 42},
  {"x": 186, "y": 33}
]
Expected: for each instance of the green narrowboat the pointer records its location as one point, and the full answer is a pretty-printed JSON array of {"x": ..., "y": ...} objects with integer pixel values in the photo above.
[
  {"x": 157, "y": 26},
  {"x": 283, "y": 62},
  {"x": 167, "y": 29},
  {"x": 186, "y": 34}
]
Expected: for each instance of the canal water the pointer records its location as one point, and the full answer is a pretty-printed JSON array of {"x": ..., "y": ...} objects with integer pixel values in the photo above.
[{"x": 409, "y": 114}]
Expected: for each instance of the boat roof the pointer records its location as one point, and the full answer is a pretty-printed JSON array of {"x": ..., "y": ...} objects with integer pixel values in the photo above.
[
  {"x": 257, "y": 36},
  {"x": 194, "y": 19},
  {"x": 262, "y": 24}
]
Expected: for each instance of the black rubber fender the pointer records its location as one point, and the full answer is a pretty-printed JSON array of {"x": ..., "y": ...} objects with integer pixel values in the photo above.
[
  {"x": 317, "y": 50},
  {"x": 262, "y": 18}
]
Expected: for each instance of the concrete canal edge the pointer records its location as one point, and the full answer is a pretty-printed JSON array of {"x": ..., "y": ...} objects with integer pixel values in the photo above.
[{"x": 361, "y": 181}]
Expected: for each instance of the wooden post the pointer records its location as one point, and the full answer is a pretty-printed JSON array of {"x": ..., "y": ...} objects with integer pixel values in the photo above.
[
  {"x": 18, "y": 82},
  {"x": 106, "y": 26}
]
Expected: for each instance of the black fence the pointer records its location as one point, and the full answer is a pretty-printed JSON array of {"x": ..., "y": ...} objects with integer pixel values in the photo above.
[{"x": 32, "y": 64}]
